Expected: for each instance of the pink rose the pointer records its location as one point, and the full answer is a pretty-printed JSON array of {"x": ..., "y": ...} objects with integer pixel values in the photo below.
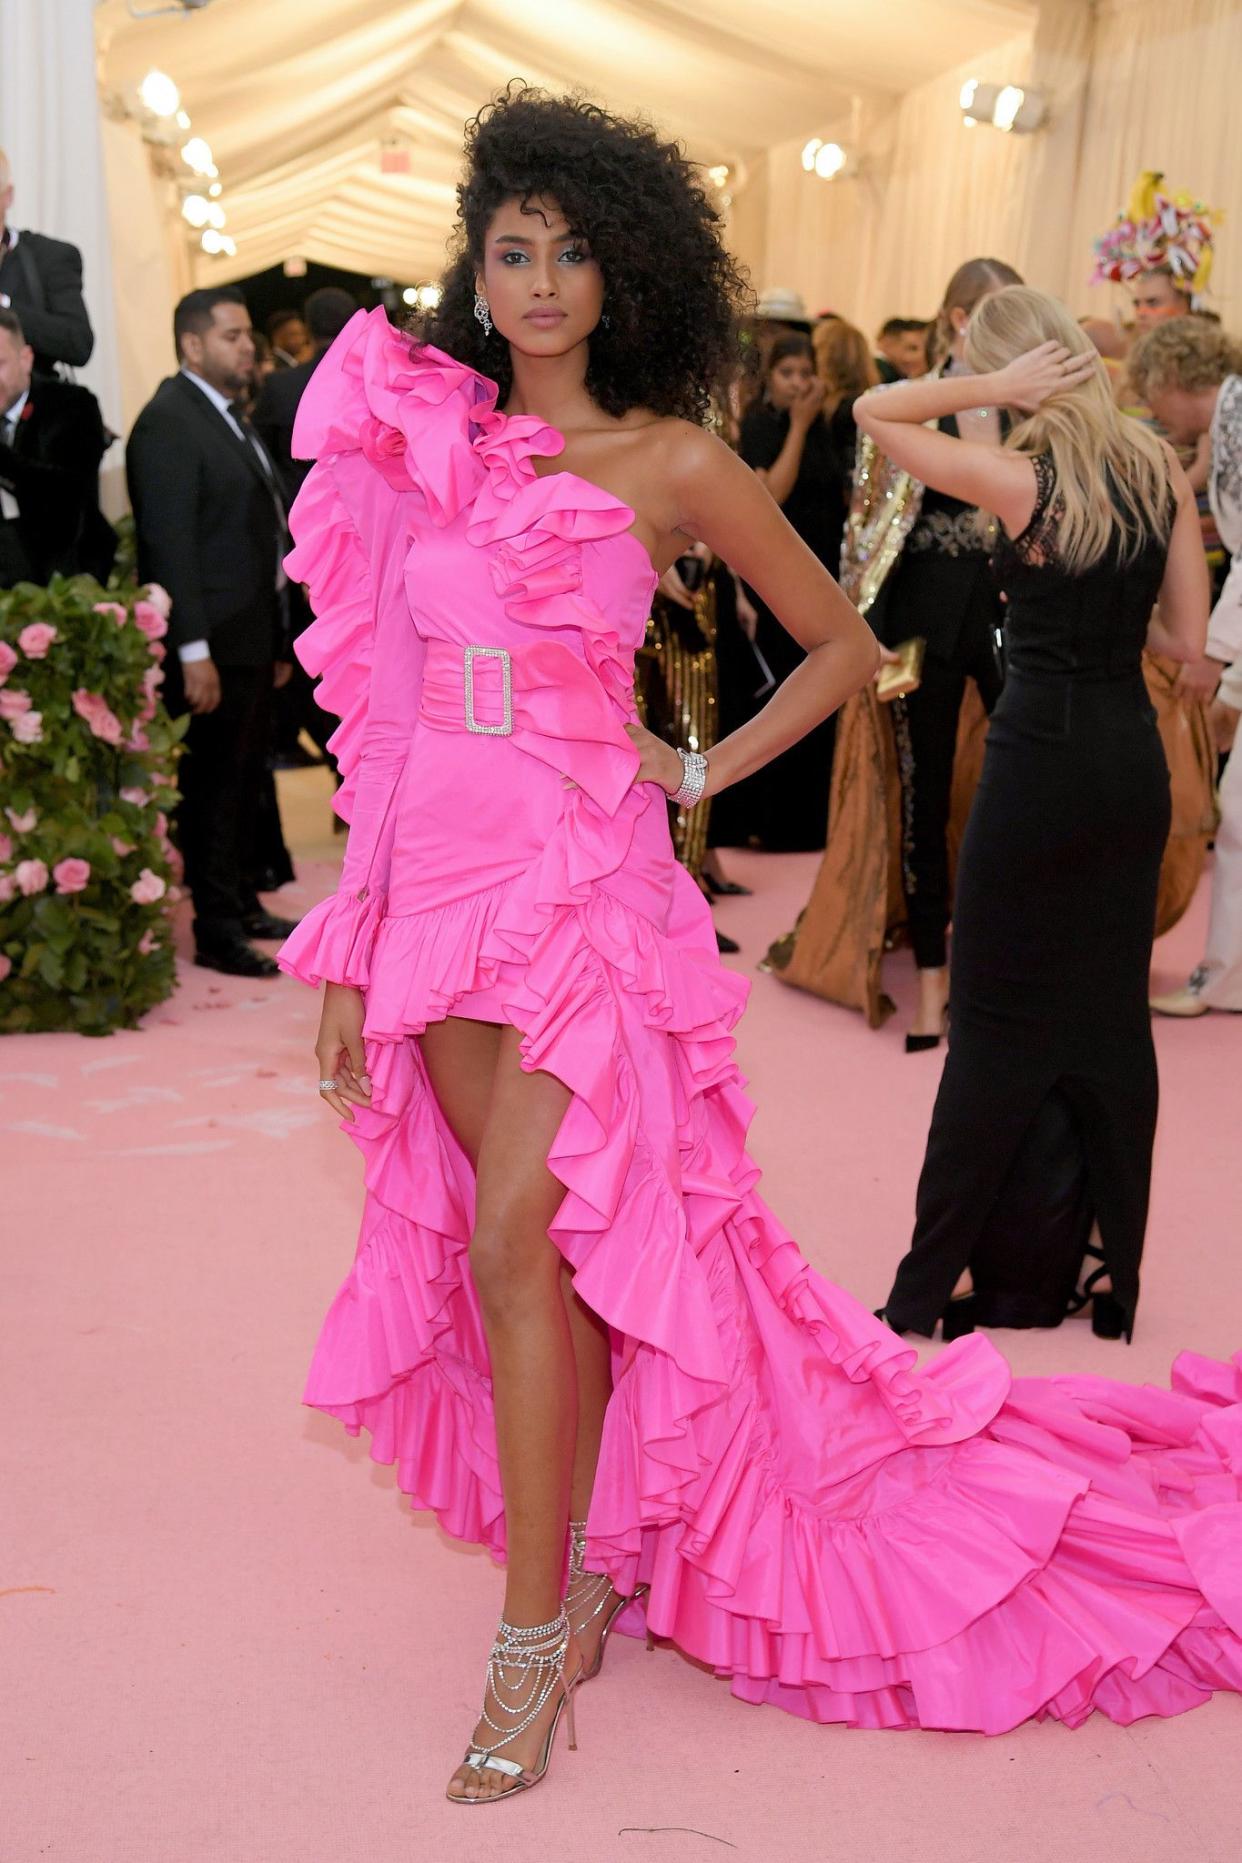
[
  {"x": 137, "y": 739},
  {"x": 149, "y": 621},
  {"x": 28, "y": 729},
  {"x": 161, "y": 781},
  {"x": 31, "y": 876},
  {"x": 146, "y": 889},
  {"x": 35, "y": 640},
  {"x": 152, "y": 680},
  {"x": 72, "y": 875},
  {"x": 121, "y": 848},
  {"x": 6, "y": 847},
  {"x": 159, "y": 598},
  {"x": 6, "y": 965},
  {"x": 8, "y": 660},
  {"x": 103, "y": 722},
  {"x": 161, "y": 823},
  {"x": 138, "y": 797},
  {"x": 8, "y": 886},
  {"x": 119, "y": 615},
  {"x": 22, "y": 824},
  {"x": 147, "y": 943},
  {"x": 14, "y": 702}
]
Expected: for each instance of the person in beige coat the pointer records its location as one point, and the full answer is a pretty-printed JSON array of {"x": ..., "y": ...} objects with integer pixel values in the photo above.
[{"x": 1189, "y": 372}]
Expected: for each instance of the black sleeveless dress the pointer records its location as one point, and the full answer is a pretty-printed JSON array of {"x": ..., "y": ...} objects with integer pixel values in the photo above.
[{"x": 1050, "y": 1032}]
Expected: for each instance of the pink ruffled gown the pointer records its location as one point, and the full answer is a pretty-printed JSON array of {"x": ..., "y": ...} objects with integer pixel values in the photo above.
[{"x": 841, "y": 1534}]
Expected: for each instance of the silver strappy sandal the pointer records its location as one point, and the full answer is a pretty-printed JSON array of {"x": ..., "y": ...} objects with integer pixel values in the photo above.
[
  {"x": 535, "y": 1656},
  {"x": 587, "y": 1595}
]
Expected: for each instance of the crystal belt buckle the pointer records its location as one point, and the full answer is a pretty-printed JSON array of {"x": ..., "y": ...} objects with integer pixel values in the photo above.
[{"x": 505, "y": 727}]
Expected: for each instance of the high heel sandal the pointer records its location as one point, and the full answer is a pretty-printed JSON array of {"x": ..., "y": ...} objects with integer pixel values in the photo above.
[
  {"x": 1108, "y": 1316},
  {"x": 587, "y": 1595},
  {"x": 538, "y": 1651}
]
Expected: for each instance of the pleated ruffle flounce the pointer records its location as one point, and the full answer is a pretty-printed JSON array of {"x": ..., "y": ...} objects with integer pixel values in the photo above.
[{"x": 841, "y": 1533}]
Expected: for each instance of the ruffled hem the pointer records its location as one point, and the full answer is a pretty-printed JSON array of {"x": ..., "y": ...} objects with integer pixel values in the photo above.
[{"x": 843, "y": 1535}]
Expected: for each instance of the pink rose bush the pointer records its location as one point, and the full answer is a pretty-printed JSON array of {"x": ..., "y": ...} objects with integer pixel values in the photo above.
[
  {"x": 88, "y": 787},
  {"x": 72, "y": 875},
  {"x": 28, "y": 729},
  {"x": 35, "y": 640},
  {"x": 31, "y": 877},
  {"x": 148, "y": 888},
  {"x": 102, "y": 720}
]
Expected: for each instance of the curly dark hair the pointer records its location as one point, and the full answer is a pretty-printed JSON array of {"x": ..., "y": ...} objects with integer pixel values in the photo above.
[{"x": 673, "y": 295}]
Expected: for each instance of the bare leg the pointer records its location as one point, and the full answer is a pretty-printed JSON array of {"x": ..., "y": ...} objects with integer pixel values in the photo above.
[{"x": 516, "y": 1271}]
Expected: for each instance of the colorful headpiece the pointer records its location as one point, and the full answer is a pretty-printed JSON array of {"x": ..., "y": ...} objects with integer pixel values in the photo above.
[{"x": 1158, "y": 232}]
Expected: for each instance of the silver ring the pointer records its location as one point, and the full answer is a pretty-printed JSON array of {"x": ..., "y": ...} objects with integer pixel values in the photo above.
[{"x": 327, "y": 1086}]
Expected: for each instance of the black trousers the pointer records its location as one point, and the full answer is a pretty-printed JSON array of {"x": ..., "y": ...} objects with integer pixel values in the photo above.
[
  {"x": 1056, "y": 908},
  {"x": 931, "y": 714},
  {"x": 221, "y": 778}
]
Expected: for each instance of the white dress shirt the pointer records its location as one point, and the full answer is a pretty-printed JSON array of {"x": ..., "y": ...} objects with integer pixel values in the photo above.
[{"x": 9, "y": 507}]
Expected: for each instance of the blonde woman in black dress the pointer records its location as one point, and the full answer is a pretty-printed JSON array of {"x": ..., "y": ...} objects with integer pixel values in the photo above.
[{"x": 1056, "y": 896}]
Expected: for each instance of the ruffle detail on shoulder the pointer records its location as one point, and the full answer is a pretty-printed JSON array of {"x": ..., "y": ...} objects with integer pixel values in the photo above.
[
  {"x": 337, "y": 649},
  {"x": 408, "y": 409},
  {"x": 334, "y": 941}
]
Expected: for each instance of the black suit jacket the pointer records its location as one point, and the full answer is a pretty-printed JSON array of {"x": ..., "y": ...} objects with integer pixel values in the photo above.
[
  {"x": 42, "y": 278},
  {"x": 275, "y": 413},
  {"x": 52, "y": 469},
  {"x": 207, "y": 526}
]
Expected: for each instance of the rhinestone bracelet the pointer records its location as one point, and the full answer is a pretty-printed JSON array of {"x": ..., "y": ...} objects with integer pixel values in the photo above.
[{"x": 693, "y": 778}]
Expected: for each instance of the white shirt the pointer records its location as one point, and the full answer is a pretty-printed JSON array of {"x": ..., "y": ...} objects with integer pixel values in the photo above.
[
  {"x": 9, "y": 507},
  {"x": 201, "y": 649},
  {"x": 6, "y": 302},
  {"x": 1225, "y": 496}
]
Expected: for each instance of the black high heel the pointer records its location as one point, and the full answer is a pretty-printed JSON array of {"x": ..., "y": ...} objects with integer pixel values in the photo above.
[
  {"x": 923, "y": 1044},
  {"x": 726, "y": 889},
  {"x": 1108, "y": 1317},
  {"x": 959, "y": 1317}
]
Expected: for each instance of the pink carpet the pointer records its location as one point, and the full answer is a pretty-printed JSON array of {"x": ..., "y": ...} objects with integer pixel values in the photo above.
[{"x": 227, "y": 1638}]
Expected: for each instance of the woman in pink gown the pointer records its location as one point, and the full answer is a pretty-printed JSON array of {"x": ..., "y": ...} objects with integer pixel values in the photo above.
[{"x": 571, "y": 1322}]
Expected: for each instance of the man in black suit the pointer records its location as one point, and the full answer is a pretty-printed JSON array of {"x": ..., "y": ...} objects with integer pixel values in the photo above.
[
  {"x": 52, "y": 439},
  {"x": 327, "y": 313},
  {"x": 211, "y": 528},
  {"x": 41, "y": 279}
]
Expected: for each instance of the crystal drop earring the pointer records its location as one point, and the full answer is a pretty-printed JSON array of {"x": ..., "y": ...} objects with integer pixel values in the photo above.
[{"x": 483, "y": 313}]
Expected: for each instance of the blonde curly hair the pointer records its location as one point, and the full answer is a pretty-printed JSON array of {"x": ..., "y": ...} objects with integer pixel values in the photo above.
[{"x": 1192, "y": 354}]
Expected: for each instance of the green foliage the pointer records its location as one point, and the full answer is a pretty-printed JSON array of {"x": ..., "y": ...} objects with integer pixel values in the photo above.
[{"x": 93, "y": 960}]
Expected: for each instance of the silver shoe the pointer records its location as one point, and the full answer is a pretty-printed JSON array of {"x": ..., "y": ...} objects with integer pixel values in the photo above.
[
  {"x": 533, "y": 1654},
  {"x": 587, "y": 1595}
]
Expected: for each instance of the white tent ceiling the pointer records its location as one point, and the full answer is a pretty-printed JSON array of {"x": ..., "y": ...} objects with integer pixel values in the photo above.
[{"x": 295, "y": 96}]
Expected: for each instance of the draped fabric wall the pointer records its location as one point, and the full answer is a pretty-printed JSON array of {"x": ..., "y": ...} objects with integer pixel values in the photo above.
[
  {"x": 1164, "y": 94},
  {"x": 151, "y": 261},
  {"x": 1133, "y": 84},
  {"x": 49, "y": 126}
]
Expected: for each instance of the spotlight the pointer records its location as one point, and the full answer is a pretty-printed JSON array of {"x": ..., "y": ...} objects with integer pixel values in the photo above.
[
  {"x": 1006, "y": 107},
  {"x": 830, "y": 159},
  {"x": 196, "y": 210},
  {"x": 428, "y": 297},
  {"x": 196, "y": 154},
  {"x": 159, "y": 94}
]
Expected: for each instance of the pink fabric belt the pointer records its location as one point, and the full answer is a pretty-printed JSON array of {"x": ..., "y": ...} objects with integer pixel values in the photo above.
[{"x": 541, "y": 695}]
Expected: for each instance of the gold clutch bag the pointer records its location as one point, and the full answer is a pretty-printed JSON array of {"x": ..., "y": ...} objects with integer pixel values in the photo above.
[{"x": 904, "y": 674}]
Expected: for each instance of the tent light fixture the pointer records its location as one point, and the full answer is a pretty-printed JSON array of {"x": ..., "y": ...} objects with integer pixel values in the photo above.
[
  {"x": 1007, "y": 107},
  {"x": 159, "y": 94}
]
